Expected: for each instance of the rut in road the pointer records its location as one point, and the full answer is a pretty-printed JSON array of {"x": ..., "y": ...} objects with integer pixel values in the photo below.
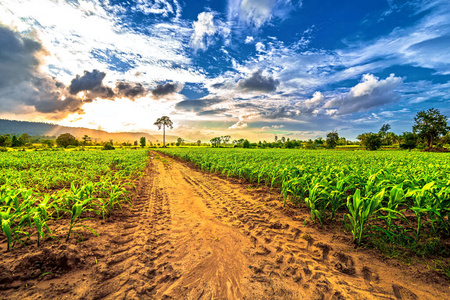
[{"x": 192, "y": 235}]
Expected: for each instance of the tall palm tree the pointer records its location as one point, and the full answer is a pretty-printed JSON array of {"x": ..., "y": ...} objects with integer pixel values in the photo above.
[{"x": 163, "y": 122}]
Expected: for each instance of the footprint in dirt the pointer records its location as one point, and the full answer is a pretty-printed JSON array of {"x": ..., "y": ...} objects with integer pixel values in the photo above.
[
  {"x": 402, "y": 293},
  {"x": 345, "y": 264},
  {"x": 369, "y": 276}
]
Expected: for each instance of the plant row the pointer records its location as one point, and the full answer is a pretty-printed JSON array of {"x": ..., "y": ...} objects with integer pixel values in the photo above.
[
  {"x": 395, "y": 195},
  {"x": 92, "y": 184}
]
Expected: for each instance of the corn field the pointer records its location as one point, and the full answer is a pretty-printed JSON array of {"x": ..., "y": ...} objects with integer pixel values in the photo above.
[
  {"x": 393, "y": 195},
  {"x": 37, "y": 188}
]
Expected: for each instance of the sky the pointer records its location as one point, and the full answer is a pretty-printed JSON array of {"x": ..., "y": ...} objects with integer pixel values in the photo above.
[{"x": 246, "y": 68}]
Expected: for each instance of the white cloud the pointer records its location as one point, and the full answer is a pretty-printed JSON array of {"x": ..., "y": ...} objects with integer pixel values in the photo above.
[
  {"x": 249, "y": 39},
  {"x": 317, "y": 99},
  {"x": 204, "y": 28},
  {"x": 260, "y": 47},
  {"x": 239, "y": 125},
  {"x": 83, "y": 36},
  {"x": 259, "y": 12},
  {"x": 370, "y": 93},
  {"x": 159, "y": 7}
]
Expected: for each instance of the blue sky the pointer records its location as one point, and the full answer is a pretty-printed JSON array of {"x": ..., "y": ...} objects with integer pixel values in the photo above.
[{"x": 245, "y": 68}]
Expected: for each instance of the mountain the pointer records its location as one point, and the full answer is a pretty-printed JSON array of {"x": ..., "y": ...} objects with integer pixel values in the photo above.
[{"x": 51, "y": 130}]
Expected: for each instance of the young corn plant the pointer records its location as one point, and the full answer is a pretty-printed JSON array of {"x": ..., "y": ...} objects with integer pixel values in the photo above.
[
  {"x": 421, "y": 205},
  {"x": 76, "y": 218},
  {"x": 315, "y": 195},
  {"x": 360, "y": 211},
  {"x": 41, "y": 227}
]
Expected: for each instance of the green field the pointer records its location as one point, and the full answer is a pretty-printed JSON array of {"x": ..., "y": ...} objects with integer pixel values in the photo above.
[
  {"x": 39, "y": 187},
  {"x": 396, "y": 196}
]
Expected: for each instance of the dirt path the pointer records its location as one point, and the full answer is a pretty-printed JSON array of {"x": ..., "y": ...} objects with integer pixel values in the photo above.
[{"x": 193, "y": 235}]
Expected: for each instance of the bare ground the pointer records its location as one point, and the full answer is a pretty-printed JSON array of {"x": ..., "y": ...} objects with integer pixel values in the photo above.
[{"x": 192, "y": 235}]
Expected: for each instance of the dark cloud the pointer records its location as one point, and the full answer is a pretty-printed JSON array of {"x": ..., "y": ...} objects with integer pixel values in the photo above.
[
  {"x": 281, "y": 112},
  {"x": 218, "y": 85},
  {"x": 258, "y": 82},
  {"x": 130, "y": 90},
  {"x": 92, "y": 84},
  {"x": 162, "y": 90},
  {"x": 212, "y": 112},
  {"x": 23, "y": 88},
  {"x": 197, "y": 105}
]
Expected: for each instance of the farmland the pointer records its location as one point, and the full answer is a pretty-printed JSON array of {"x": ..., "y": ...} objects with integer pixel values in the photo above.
[
  {"x": 287, "y": 228},
  {"x": 398, "y": 197},
  {"x": 39, "y": 187}
]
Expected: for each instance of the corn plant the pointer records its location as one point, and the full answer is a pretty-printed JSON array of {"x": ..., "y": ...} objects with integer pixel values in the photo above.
[
  {"x": 80, "y": 207},
  {"x": 360, "y": 210}
]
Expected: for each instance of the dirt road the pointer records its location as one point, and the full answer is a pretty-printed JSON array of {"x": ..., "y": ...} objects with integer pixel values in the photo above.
[{"x": 192, "y": 235}]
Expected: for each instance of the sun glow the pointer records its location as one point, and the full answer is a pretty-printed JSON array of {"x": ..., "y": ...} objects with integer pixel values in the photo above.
[{"x": 120, "y": 115}]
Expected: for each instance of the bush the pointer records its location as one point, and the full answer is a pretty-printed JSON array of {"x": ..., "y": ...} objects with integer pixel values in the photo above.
[
  {"x": 3, "y": 149},
  {"x": 108, "y": 146}
]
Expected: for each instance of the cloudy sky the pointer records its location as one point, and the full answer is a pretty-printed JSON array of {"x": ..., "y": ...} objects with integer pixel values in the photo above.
[{"x": 245, "y": 68}]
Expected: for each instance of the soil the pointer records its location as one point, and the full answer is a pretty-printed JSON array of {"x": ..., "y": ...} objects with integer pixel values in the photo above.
[{"x": 192, "y": 235}]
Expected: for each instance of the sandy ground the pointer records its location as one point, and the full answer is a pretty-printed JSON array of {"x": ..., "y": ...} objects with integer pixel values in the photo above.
[{"x": 192, "y": 235}]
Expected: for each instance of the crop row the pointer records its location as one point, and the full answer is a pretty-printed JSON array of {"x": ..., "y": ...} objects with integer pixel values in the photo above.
[
  {"x": 37, "y": 188},
  {"x": 392, "y": 194}
]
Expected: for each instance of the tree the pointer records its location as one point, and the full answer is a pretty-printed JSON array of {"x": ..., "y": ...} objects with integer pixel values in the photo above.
[
  {"x": 371, "y": 141},
  {"x": 384, "y": 134},
  {"x": 25, "y": 138},
  {"x": 332, "y": 139},
  {"x": 246, "y": 144},
  {"x": 385, "y": 128},
  {"x": 215, "y": 142},
  {"x": 163, "y": 122},
  {"x": 65, "y": 140},
  {"x": 199, "y": 142},
  {"x": 4, "y": 140},
  {"x": 409, "y": 141},
  {"x": 430, "y": 124},
  {"x": 226, "y": 139},
  {"x": 47, "y": 142},
  {"x": 180, "y": 141},
  {"x": 142, "y": 142},
  {"x": 86, "y": 139}
]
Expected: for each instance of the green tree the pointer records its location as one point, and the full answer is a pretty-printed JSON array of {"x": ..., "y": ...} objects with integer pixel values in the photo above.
[
  {"x": 215, "y": 142},
  {"x": 143, "y": 142},
  {"x": 371, "y": 141},
  {"x": 25, "y": 138},
  {"x": 163, "y": 122},
  {"x": 385, "y": 128},
  {"x": 65, "y": 140},
  {"x": 199, "y": 142},
  {"x": 332, "y": 139},
  {"x": 4, "y": 140},
  {"x": 246, "y": 144},
  {"x": 47, "y": 142},
  {"x": 16, "y": 142},
  {"x": 409, "y": 141},
  {"x": 226, "y": 139},
  {"x": 86, "y": 139},
  {"x": 430, "y": 124}
]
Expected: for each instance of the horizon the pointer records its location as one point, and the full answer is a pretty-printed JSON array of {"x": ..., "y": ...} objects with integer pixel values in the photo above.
[{"x": 245, "y": 68}]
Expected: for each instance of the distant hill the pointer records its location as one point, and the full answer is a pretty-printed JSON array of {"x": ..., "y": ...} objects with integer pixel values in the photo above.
[{"x": 45, "y": 129}]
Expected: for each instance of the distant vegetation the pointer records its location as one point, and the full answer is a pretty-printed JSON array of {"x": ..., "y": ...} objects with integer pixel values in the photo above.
[{"x": 429, "y": 131}]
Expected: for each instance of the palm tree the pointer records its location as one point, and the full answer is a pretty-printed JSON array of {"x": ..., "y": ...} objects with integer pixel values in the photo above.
[{"x": 164, "y": 121}]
